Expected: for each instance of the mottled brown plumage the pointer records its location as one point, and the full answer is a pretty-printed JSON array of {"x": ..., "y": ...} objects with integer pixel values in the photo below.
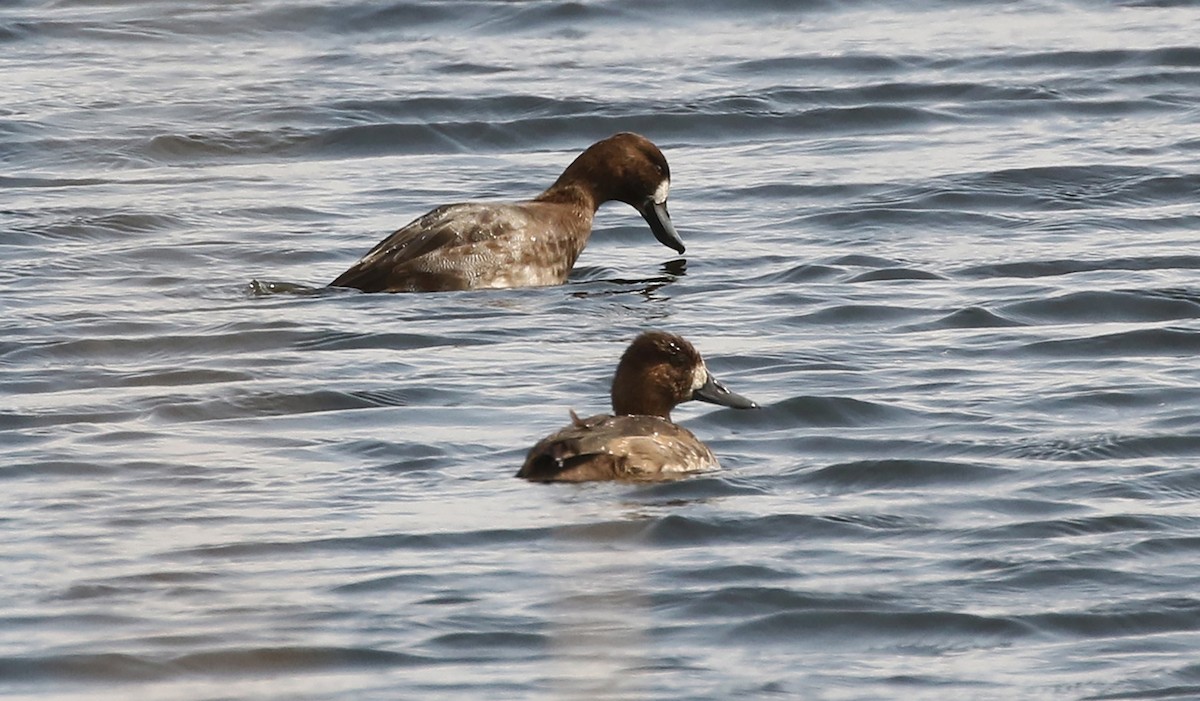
[
  {"x": 475, "y": 245},
  {"x": 657, "y": 372}
]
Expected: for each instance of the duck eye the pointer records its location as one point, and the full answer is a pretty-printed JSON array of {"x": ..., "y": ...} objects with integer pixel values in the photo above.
[{"x": 676, "y": 355}]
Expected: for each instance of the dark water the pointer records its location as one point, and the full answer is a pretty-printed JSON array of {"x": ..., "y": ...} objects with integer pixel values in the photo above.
[{"x": 951, "y": 249}]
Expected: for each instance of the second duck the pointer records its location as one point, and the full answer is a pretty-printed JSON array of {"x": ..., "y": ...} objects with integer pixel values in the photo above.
[{"x": 639, "y": 442}]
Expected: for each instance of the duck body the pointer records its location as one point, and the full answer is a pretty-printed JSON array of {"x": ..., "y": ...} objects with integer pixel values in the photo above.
[
  {"x": 638, "y": 441},
  {"x": 478, "y": 245},
  {"x": 475, "y": 245},
  {"x": 606, "y": 447}
]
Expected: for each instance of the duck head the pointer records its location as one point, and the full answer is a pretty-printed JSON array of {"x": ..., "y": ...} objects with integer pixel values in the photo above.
[
  {"x": 661, "y": 370},
  {"x": 628, "y": 168}
]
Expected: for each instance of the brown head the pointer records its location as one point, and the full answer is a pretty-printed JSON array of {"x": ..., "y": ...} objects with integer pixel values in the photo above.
[
  {"x": 661, "y": 370},
  {"x": 625, "y": 167}
]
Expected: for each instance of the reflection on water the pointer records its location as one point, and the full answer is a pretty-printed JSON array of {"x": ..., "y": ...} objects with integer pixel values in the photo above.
[
  {"x": 672, "y": 271},
  {"x": 598, "y": 614}
]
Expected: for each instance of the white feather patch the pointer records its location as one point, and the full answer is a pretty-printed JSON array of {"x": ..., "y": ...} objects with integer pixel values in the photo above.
[{"x": 660, "y": 192}]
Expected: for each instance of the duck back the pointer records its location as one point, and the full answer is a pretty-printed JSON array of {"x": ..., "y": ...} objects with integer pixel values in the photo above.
[{"x": 608, "y": 447}]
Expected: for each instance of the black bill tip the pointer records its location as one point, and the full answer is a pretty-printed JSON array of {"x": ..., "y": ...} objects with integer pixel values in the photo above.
[{"x": 655, "y": 214}]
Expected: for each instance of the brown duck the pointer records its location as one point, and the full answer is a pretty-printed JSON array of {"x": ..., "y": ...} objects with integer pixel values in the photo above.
[
  {"x": 475, "y": 245},
  {"x": 657, "y": 372}
]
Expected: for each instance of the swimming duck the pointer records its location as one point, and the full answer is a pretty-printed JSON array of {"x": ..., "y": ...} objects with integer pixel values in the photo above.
[
  {"x": 475, "y": 245},
  {"x": 639, "y": 442}
]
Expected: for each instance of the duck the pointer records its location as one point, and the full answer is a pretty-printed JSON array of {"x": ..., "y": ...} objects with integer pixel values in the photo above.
[
  {"x": 638, "y": 441},
  {"x": 481, "y": 245}
]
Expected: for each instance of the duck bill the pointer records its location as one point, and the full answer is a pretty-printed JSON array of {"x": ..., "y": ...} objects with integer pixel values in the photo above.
[
  {"x": 714, "y": 392},
  {"x": 656, "y": 216}
]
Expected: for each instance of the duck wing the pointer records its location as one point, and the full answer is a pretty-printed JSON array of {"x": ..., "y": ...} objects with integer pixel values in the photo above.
[
  {"x": 404, "y": 261},
  {"x": 616, "y": 447}
]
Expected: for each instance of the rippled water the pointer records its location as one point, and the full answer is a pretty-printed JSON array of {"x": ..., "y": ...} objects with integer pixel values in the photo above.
[{"x": 951, "y": 249}]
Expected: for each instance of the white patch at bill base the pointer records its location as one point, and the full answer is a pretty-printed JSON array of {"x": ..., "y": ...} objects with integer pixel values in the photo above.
[{"x": 660, "y": 192}]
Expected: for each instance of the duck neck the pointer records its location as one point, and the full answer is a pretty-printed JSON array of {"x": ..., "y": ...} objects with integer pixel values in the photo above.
[
  {"x": 571, "y": 193},
  {"x": 640, "y": 401}
]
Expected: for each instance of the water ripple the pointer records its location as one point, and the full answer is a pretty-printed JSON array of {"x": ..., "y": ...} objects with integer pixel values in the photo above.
[{"x": 944, "y": 245}]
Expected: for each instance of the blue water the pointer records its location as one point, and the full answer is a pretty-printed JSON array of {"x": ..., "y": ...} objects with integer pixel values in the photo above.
[{"x": 949, "y": 247}]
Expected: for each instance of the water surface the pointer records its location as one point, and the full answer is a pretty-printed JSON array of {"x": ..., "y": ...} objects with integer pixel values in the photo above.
[{"x": 950, "y": 249}]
